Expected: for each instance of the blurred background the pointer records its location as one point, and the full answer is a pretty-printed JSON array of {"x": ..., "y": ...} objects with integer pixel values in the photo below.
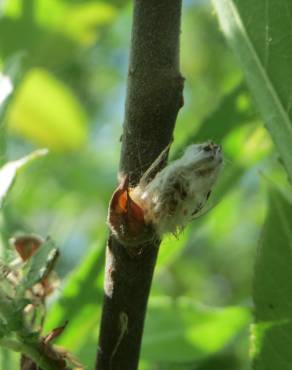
[{"x": 63, "y": 74}]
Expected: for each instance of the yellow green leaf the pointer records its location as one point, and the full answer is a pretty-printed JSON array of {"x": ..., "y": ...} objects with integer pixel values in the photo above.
[
  {"x": 46, "y": 112},
  {"x": 79, "y": 22},
  {"x": 82, "y": 21}
]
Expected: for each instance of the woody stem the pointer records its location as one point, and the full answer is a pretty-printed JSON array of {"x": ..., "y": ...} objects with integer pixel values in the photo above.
[{"x": 154, "y": 97}]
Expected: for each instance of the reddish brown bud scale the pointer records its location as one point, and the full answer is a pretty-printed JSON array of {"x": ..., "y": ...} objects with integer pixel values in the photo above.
[
  {"x": 126, "y": 218},
  {"x": 26, "y": 245}
]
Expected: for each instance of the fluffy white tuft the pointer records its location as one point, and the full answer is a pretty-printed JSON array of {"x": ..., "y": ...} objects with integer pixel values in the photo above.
[{"x": 179, "y": 192}]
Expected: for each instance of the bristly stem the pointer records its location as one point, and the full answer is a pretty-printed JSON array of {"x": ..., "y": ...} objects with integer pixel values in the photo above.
[{"x": 154, "y": 97}]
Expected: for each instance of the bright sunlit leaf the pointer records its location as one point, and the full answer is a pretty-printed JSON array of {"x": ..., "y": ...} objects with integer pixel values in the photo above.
[
  {"x": 9, "y": 77},
  {"x": 46, "y": 112},
  {"x": 10, "y": 169},
  {"x": 6, "y": 87}
]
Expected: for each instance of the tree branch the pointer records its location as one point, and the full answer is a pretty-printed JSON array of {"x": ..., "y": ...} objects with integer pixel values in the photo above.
[
  {"x": 154, "y": 93},
  {"x": 154, "y": 97}
]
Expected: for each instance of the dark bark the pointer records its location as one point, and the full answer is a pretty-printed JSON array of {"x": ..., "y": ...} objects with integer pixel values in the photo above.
[
  {"x": 154, "y": 93},
  {"x": 154, "y": 97}
]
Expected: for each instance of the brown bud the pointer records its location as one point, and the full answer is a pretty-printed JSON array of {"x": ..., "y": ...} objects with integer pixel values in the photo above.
[
  {"x": 26, "y": 245},
  {"x": 126, "y": 218}
]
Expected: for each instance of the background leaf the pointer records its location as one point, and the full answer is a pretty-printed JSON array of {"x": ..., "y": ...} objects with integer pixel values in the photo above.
[
  {"x": 54, "y": 119},
  {"x": 182, "y": 331},
  {"x": 83, "y": 289},
  {"x": 10, "y": 169},
  {"x": 36, "y": 266},
  {"x": 272, "y": 331},
  {"x": 84, "y": 20},
  {"x": 259, "y": 33},
  {"x": 233, "y": 111}
]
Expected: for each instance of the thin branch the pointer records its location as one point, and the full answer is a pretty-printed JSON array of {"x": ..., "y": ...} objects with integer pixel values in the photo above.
[
  {"x": 154, "y": 93},
  {"x": 154, "y": 97}
]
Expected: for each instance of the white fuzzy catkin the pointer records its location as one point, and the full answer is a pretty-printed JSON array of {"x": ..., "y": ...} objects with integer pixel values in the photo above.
[{"x": 178, "y": 193}]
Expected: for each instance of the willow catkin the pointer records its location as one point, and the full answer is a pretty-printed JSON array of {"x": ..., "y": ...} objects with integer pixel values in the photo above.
[{"x": 180, "y": 191}]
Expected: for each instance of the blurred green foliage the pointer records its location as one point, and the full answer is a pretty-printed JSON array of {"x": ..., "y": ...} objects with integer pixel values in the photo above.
[
  {"x": 271, "y": 337},
  {"x": 263, "y": 44},
  {"x": 67, "y": 62}
]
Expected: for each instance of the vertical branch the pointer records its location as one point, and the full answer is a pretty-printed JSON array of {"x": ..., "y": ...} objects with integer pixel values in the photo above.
[
  {"x": 154, "y": 97},
  {"x": 154, "y": 93}
]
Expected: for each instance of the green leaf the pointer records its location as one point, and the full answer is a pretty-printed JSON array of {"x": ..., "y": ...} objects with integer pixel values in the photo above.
[
  {"x": 82, "y": 21},
  {"x": 6, "y": 89},
  {"x": 29, "y": 337},
  {"x": 3, "y": 329},
  {"x": 9, "y": 77},
  {"x": 182, "y": 331},
  {"x": 171, "y": 248},
  {"x": 6, "y": 359},
  {"x": 272, "y": 332},
  {"x": 15, "y": 318},
  {"x": 11, "y": 312},
  {"x": 46, "y": 112},
  {"x": 260, "y": 34},
  {"x": 234, "y": 115},
  {"x": 37, "y": 266},
  {"x": 235, "y": 110},
  {"x": 84, "y": 289},
  {"x": 10, "y": 170}
]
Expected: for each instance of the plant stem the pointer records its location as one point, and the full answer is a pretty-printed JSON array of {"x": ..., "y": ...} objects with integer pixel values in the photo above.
[{"x": 154, "y": 97}]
